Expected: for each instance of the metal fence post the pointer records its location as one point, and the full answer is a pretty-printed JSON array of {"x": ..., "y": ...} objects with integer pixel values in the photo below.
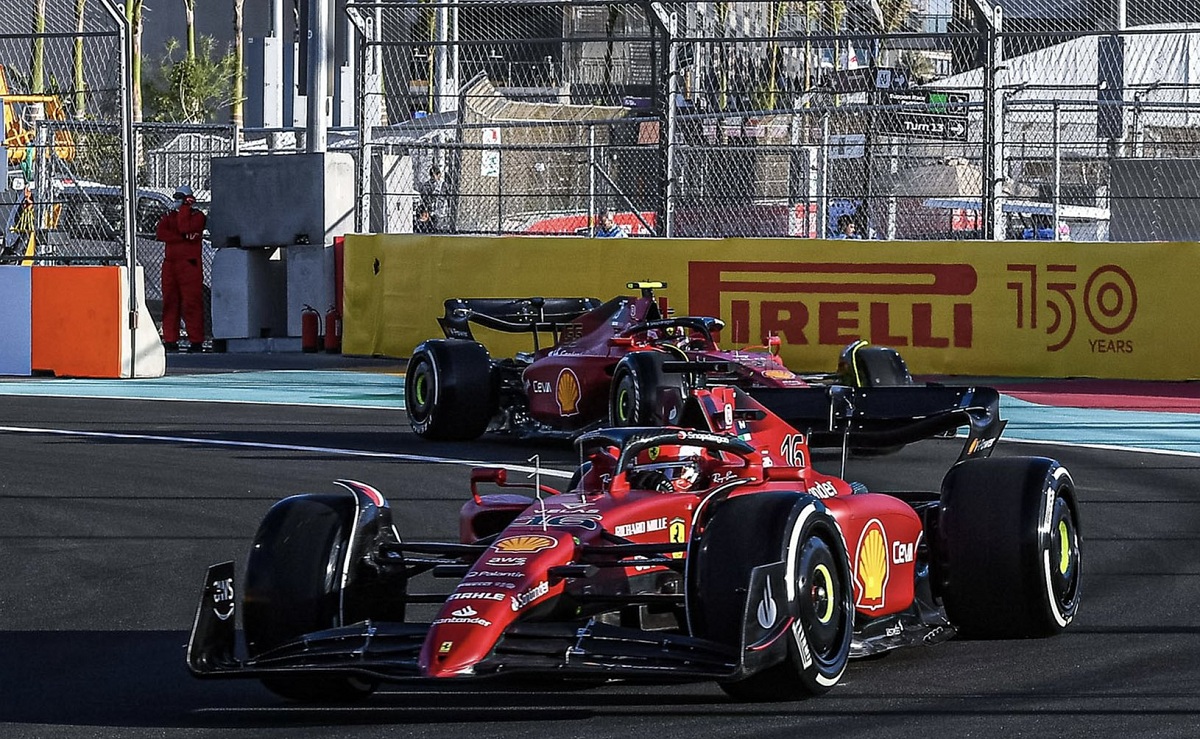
[
  {"x": 672, "y": 121},
  {"x": 591, "y": 180},
  {"x": 1057, "y": 144},
  {"x": 996, "y": 174}
]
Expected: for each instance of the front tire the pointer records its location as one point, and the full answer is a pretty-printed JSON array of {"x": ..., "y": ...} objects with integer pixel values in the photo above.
[
  {"x": 293, "y": 583},
  {"x": 1009, "y": 547},
  {"x": 449, "y": 391},
  {"x": 754, "y": 530}
]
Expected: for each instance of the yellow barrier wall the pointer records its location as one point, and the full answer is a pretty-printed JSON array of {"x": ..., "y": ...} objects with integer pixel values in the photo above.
[{"x": 1017, "y": 309}]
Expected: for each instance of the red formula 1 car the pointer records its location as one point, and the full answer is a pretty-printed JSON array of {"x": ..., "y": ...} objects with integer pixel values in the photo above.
[
  {"x": 714, "y": 552},
  {"x": 626, "y": 362}
]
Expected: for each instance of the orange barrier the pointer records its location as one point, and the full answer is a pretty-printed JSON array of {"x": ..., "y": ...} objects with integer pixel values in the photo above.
[
  {"x": 79, "y": 326},
  {"x": 1011, "y": 309},
  {"x": 77, "y": 321}
]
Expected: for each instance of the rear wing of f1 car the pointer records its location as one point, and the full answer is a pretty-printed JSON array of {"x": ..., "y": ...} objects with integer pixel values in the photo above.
[
  {"x": 512, "y": 315},
  {"x": 872, "y": 418}
]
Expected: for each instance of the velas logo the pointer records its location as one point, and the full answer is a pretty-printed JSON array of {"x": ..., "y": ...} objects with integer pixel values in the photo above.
[
  {"x": 871, "y": 560},
  {"x": 525, "y": 544},
  {"x": 834, "y": 303},
  {"x": 566, "y": 393}
]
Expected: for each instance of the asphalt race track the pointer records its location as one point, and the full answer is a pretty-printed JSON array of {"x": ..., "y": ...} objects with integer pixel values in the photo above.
[{"x": 112, "y": 509}]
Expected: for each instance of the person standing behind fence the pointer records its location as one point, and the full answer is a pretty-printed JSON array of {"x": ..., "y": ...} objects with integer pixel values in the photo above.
[
  {"x": 847, "y": 228},
  {"x": 608, "y": 228},
  {"x": 435, "y": 199},
  {"x": 181, "y": 230}
]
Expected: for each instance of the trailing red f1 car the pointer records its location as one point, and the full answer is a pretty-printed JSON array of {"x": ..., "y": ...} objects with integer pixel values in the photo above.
[
  {"x": 709, "y": 551},
  {"x": 626, "y": 362}
]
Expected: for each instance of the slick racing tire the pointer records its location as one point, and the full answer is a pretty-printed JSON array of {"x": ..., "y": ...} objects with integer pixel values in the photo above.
[
  {"x": 293, "y": 580},
  {"x": 795, "y": 529},
  {"x": 866, "y": 365},
  {"x": 1009, "y": 547},
  {"x": 449, "y": 391},
  {"x": 640, "y": 389}
]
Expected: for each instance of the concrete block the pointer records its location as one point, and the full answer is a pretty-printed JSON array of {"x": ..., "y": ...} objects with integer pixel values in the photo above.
[
  {"x": 15, "y": 321},
  {"x": 248, "y": 294},
  {"x": 277, "y": 201},
  {"x": 309, "y": 282}
]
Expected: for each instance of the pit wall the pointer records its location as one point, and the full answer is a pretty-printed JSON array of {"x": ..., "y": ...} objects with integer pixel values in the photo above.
[
  {"x": 1005, "y": 309},
  {"x": 73, "y": 322}
]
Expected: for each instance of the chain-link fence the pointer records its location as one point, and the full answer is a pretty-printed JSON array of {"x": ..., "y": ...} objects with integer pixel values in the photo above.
[
  {"x": 61, "y": 82},
  {"x": 912, "y": 119}
]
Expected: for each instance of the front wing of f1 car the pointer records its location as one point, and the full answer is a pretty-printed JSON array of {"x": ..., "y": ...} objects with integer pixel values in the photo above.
[{"x": 590, "y": 650}]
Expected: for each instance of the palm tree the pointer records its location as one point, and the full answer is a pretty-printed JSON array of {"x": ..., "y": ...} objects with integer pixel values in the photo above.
[
  {"x": 895, "y": 16},
  {"x": 189, "y": 19},
  {"x": 133, "y": 14},
  {"x": 77, "y": 60},
  {"x": 616, "y": 17},
  {"x": 37, "y": 83},
  {"x": 239, "y": 72},
  {"x": 770, "y": 87},
  {"x": 836, "y": 12},
  {"x": 722, "y": 56}
]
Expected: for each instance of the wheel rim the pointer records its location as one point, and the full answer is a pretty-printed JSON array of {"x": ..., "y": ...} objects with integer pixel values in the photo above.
[
  {"x": 824, "y": 623},
  {"x": 821, "y": 589},
  {"x": 422, "y": 389},
  {"x": 624, "y": 405},
  {"x": 1064, "y": 556}
]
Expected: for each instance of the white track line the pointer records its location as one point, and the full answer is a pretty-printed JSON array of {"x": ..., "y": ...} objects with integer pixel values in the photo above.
[
  {"x": 1104, "y": 447},
  {"x": 282, "y": 447}
]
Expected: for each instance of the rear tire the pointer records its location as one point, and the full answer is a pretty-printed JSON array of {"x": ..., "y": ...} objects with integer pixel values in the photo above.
[
  {"x": 643, "y": 394},
  {"x": 293, "y": 581},
  {"x": 1009, "y": 547},
  {"x": 866, "y": 365},
  {"x": 754, "y": 530},
  {"x": 449, "y": 390}
]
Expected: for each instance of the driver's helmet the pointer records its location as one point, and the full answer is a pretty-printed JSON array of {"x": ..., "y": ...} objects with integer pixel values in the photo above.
[{"x": 668, "y": 469}]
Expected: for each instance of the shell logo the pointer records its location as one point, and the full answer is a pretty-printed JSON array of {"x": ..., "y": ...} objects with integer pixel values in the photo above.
[
  {"x": 872, "y": 566},
  {"x": 566, "y": 392},
  {"x": 779, "y": 374},
  {"x": 525, "y": 544}
]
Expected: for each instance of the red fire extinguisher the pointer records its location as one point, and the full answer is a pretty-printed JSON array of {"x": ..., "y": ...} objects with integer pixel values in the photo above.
[
  {"x": 333, "y": 331},
  {"x": 309, "y": 318}
]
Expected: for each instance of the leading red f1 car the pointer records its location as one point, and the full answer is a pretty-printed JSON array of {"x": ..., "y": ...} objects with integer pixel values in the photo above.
[
  {"x": 626, "y": 362},
  {"x": 708, "y": 551}
]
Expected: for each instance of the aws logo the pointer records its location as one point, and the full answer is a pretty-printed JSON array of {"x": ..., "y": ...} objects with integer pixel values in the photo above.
[{"x": 871, "y": 572}]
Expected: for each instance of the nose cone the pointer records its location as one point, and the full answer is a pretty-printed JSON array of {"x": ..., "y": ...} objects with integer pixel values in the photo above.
[{"x": 506, "y": 583}]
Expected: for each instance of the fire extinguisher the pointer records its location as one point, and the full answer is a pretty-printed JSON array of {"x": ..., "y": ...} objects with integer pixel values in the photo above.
[
  {"x": 333, "y": 331},
  {"x": 309, "y": 319}
]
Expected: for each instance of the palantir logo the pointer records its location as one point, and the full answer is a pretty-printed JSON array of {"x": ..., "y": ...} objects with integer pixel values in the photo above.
[{"x": 1051, "y": 296}]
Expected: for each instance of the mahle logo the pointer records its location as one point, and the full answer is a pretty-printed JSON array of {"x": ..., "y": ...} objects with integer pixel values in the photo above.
[{"x": 834, "y": 303}]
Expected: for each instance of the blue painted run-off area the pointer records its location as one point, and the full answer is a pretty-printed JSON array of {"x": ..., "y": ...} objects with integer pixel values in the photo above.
[{"x": 1026, "y": 421}]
